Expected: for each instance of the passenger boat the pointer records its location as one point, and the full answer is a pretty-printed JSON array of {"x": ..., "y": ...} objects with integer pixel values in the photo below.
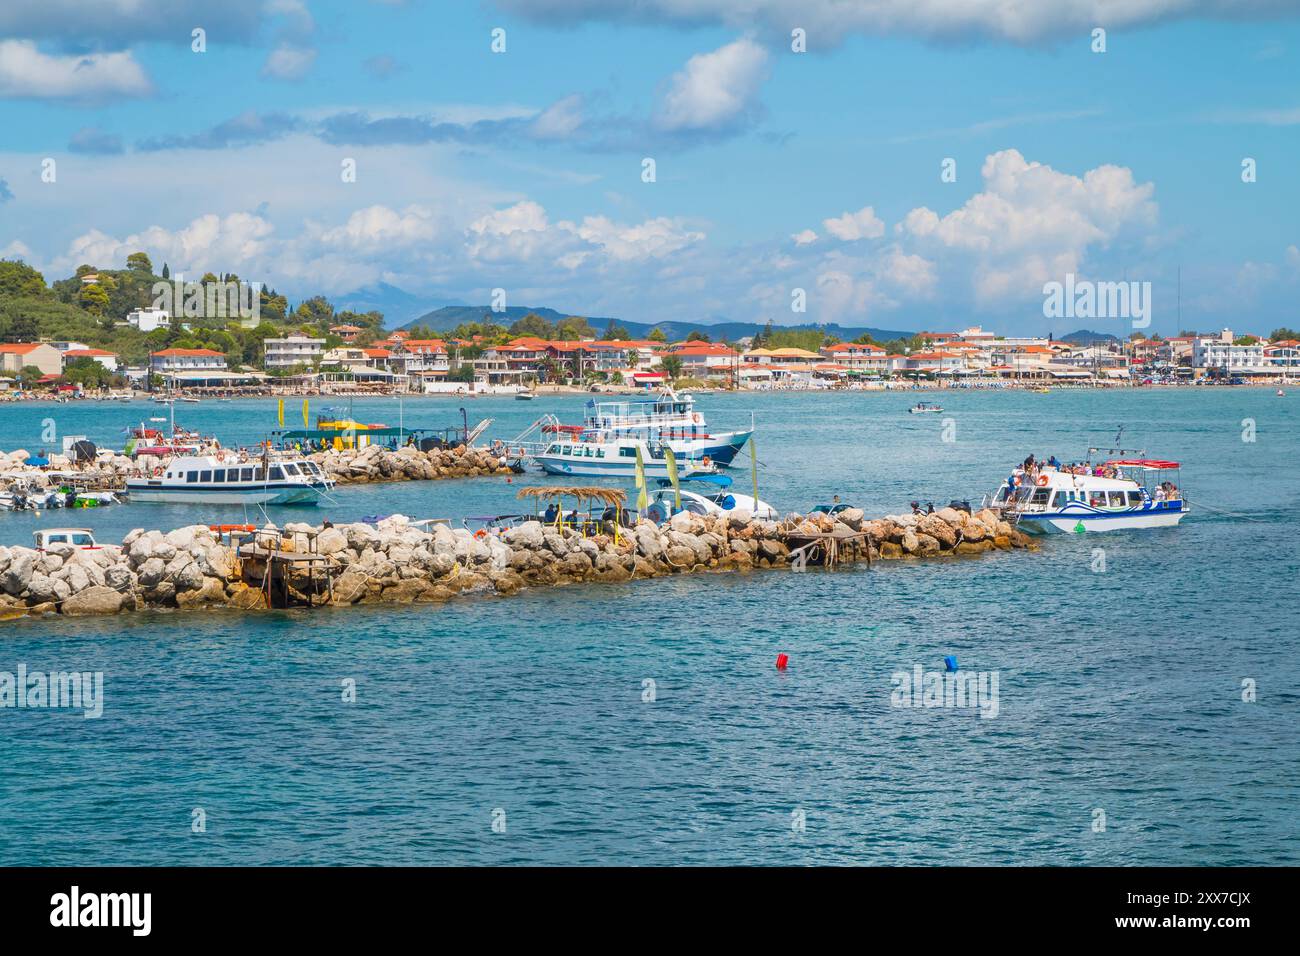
[
  {"x": 81, "y": 539},
  {"x": 225, "y": 480},
  {"x": 717, "y": 501},
  {"x": 668, "y": 418},
  {"x": 1137, "y": 494},
  {"x": 586, "y": 457},
  {"x": 922, "y": 407}
]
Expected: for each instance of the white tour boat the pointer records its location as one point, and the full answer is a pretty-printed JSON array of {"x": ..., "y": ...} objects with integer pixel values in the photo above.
[
  {"x": 225, "y": 480},
  {"x": 668, "y": 418},
  {"x": 1133, "y": 493},
  {"x": 921, "y": 408},
  {"x": 578, "y": 457},
  {"x": 663, "y": 501}
]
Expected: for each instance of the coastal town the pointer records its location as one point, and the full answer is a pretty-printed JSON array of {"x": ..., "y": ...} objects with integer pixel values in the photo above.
[{"x": 339, "y": 362}]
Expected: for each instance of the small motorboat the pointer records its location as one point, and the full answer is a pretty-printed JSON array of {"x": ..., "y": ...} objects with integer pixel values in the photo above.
[
  {"x": 718, "y": 501},
  {"x": 922, "y": 407},
  {"x": 524, "y": 396}
]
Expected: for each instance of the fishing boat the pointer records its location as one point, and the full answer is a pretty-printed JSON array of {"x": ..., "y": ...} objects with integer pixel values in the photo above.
[
  {"x": 1130, "y": 493},
  {"x": 581, "y": 456},
  {"x": 223, "y": 479},
  {"x": 717, "y": 500},
  {"x": 921, "y": 408},
  {"x": 668, "y": 418}
]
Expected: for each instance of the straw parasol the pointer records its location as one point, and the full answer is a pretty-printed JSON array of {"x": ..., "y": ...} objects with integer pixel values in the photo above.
[{"x": 608, "y": 496}]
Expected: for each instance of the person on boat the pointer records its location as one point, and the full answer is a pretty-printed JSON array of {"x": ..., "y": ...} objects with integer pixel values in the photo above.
[
  {"x": 1052, "y": 462},
  {"x": 551, "y": 514}
]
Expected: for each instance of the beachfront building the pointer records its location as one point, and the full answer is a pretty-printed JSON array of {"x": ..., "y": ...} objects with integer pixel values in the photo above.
[
  {"x": 1284, "y": 356},
  {"x": 146, "y": 320},
  {"x": 14, "y": 357},
  {"x": 107, "y": 359},
  {"x": 421, "y": 361},
  {"x": 179, "y": 361},
  {"x": 704, "y": 360},
  {"x": 1218, "y": 355},
  {"x": 295, "y": 349}
]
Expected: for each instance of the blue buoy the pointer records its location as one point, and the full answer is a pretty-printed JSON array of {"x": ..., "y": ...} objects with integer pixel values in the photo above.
[{"x": 950, "y": 664}]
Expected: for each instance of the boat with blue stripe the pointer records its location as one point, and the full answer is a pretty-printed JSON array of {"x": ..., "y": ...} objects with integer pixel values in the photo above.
[{"x": 1118, "y": 495}]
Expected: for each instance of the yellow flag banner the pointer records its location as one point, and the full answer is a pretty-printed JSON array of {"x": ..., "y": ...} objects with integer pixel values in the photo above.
[
  {"x": 642, "y": 498},
  {"x": 281, "y": 413},
  {"x": 305, "y": 423},
  {"x": 671, "y": 460},
  {"x": 753, "y": 467}
]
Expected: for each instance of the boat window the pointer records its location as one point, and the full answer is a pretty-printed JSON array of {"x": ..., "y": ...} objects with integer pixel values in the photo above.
[
  {"x": 218, "y": 475},
  {"x": 277, "y": 473},
  {"x": 290, "y": 468},
  {"x": 1040, "y": 496},
  {"x": 1002, "y": 494},
  {"x": 80, "y": 539},
  {"x": 248, "y": 474},
  {"x": 627, "y": 452},
  {"x": 1060, "y": 498},
  {"x": 1117, "y": 499},
  {"x": 191, "y": 476},
  {"x": 600, "y": 453},
  {"x": 205, "y": 477},
  {"x": 1135, "y": 497}
]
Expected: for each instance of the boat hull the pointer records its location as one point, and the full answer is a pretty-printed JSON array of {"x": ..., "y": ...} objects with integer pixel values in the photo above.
[
  {"x": 1089, "y": 521},
  {"x": 287, "y": 495},
  {"x": 721, "y": 448},
  {"x": 596, "y": 468}
]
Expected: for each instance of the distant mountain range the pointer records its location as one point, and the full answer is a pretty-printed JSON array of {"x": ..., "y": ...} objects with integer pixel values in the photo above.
[
  {"x": 1087, "y": 337},
  {"x": 398, "y": 305},
  {"x": 448, "y": 317}
]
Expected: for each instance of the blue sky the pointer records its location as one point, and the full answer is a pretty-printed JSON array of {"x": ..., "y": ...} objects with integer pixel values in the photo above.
[{"x": 775, "y": 170}]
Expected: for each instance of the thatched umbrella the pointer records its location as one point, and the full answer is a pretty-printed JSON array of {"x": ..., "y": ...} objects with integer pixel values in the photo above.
[{"x": 610, "y": 497}]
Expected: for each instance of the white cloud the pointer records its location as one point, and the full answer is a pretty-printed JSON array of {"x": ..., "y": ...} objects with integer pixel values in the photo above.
[
  {"x": 26, "y": 72},
  {"x": 805, "y": 238},
  {"x": 560, "y": 120},
  {"x": 863, "y": 224},
  {"x": 288, "y": 62},
  {"x": 714, "y": 91},
  {"x": 1032, "y": 223},
  {"x": 829, "y": 21},
  {"x": 652, "y": 239},
  {"x": 379, "y": 228}
]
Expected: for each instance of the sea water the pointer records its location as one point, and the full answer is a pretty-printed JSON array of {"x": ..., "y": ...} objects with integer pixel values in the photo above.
[{"x": 1147, "y": 681}]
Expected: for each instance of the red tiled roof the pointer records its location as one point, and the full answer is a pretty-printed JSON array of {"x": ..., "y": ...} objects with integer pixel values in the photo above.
[
  {"x": 20, "y": 348},
  {"x": 90, "y": 353}
]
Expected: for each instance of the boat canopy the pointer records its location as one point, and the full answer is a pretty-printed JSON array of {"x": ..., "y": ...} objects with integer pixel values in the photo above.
[{"x": 1153, "y": 464}]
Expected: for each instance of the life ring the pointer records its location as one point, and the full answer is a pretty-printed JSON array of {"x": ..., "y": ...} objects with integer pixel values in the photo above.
[
  {"x": 1042, "y": 481},
  {"x": 157, "y": 472},
  {"x": 227, "y": 528},
  {"x": 697, "y": 418}
]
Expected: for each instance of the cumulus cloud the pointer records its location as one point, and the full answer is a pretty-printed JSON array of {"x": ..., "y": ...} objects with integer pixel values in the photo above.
[
  {"x": 378, "y": 228},
  {"x": 1031, "y": 223},
  {"x": 27, "y": 73},
  {"x": 116, "y": 24},
  {"x": 561, "y": 120},
  {"x": 232, "y": 243},
  {"x": 804, "y": 238},
  {"x": 288, "y": 62},
  {"x": 863, "y": 224},
  {"x": 715, "y": 91},
  {"x": 828, "y": 21}
]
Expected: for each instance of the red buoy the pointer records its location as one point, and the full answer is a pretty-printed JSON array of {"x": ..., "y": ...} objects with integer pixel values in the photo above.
[{"x": 781, "y": 660}]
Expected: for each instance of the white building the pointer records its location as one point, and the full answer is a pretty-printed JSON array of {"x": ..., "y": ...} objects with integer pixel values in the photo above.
[
  {"x": 146, "y": 320},
  {"x": 294, "y": 350},
  {"x": 1219, "y": 352},
  {"x": 107, "y": 359}
]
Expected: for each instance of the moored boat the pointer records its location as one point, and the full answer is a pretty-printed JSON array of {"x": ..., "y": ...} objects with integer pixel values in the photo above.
[
  {"x": 226, "y": 480},
  {"x": 616, "y": 458},
  {"x": 668, "y": 418},
  {"x": 923, "y": 407},
  {"x": 715, "y": 500}
]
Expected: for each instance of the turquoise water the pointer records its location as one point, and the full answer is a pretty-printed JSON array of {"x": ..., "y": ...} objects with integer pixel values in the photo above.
[{"x": 1119, "y": 691}]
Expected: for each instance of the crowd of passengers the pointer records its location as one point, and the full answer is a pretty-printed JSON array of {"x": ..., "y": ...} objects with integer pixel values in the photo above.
[{"x": 1025, "y": 475}]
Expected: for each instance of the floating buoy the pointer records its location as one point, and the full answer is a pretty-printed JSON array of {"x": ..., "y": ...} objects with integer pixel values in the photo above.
[
  {"x": 1079, "y": 528},
  {"x": 950, "y": 664},
  {"x": 781, "y": 661}
]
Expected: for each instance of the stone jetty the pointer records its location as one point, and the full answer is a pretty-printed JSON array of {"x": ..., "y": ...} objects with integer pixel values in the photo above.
[{"x": 400, "y": 562}]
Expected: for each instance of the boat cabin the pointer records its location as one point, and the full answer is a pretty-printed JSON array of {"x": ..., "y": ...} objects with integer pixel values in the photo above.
[{"x": 81, "y": 538}]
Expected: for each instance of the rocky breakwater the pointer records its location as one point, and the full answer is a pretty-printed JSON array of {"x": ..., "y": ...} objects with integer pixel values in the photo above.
[
  {"x": 376, "y": 463},
  {"x": 395, "y": 562}
]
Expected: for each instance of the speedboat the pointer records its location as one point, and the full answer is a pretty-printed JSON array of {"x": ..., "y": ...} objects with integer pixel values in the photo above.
[
  {"x": 579, "y": 457},
  {"x": 718, "y": 501},
  {"x": 224, "y": 479},
  {"x": 922, "y": 407},
  {"x": 1132, "y": 493},
  {"x": 524, "y": 396}
]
